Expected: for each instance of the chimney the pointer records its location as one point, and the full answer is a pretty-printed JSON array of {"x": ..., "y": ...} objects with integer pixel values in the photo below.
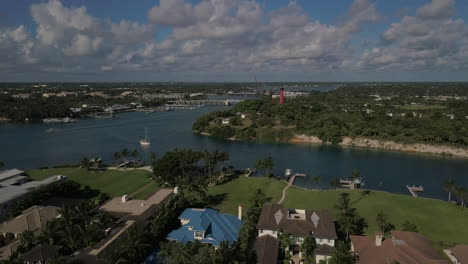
[
  {"x": 378, "y": 238},
  {"x": 239, "y": 212},
  {"x": 124, "y": 198},
  {"x": 281, "y": 95}
]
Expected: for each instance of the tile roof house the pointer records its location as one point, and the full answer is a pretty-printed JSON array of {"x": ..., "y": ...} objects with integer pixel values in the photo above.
[
  {"x": 207, "y": 226},
  {"x": 275, "y": 220},
  {"x": 458, "y": 254},
  {"x": 32, "y": 219},
  {"x": 266, "y": 249},
  {"x": 40, "y": 254},
  {"x": 404, "y": 247}
]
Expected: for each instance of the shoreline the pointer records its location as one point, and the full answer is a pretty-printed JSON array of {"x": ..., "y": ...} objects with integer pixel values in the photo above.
[
  {"x": 387, "y": 145},
  {"x": 377, "y": 144}
]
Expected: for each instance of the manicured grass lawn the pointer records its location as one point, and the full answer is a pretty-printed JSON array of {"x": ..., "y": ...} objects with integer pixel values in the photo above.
[
  {"x": 436, "y": 219},
  {"x": 114, "y": 183},
  {"x": 239, "y": 191},
  {"x": 146, "y": 192}
]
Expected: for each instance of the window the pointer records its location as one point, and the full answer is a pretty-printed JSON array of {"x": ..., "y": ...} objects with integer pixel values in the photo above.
[
  {"x": 199, "y": 234},
  {"x": 260, "y": 231}
]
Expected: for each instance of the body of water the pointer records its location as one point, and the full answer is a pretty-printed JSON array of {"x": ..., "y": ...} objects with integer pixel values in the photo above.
[{"x": 27, "y": 146}]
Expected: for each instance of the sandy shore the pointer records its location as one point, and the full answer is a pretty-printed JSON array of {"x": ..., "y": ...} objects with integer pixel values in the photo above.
[{"x": 388, "y": 145}]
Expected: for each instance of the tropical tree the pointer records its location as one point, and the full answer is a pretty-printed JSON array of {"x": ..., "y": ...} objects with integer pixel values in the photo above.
[
  {"x": 335, "y": 183},
  {"x": 268, "y": 165},
  {"x": 315, "y": 180},
  {"x": 134, "y": 154},
  {"x": 349, "y": 221},
  {"x": 308, "y": 247},
  {"x": 285, "y": 241},
  {"x": 355, "y": 175},
  {"x": 134, "y": 245},
  {"x": 341, "y": 254},
  {"x": 125, "y": 153},
  {"x": 461, "y": 193},
  {"x": 449, "y": 186},
  {"x": 384, "y": 224},
  {"x": 409, "y": 226},
  {"x": 175, "y": 253},
  {"x": 49, "y": 233},
  {"x": 27, "y": 239},
  {"x": 117, "y": 156},
  {"x": 84, "y": 162}
]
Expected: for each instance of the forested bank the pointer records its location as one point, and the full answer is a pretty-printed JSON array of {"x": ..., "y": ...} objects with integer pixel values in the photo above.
[{"x": 407, "y": 116}]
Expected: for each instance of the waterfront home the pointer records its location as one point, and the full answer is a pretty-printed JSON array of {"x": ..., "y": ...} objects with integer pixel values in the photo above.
[
  {"x": 40, "y": 254},
  {"x": 225, "y": 121},
  {"x": 275, "y": 220},
  {"x": 402, "y": 247},
  {"x": 13, "y": 193},
  {"x": 12, "y": 177},
  {"x": 131, "y": 213},
  {"x": 207, "y": 226},
  {"x": 458, "y": 254},
  {"x": 32, "y": 219}
]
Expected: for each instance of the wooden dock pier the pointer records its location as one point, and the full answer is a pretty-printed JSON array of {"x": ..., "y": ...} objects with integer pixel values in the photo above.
[
  {"x": 413, "y": 190},
  {"x": 293, "y": 178}
]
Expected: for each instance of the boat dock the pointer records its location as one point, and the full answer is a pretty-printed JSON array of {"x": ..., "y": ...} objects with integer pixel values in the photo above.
[
  {"x": 293, "y": 178},
  {"x": 413, "y": 190}
]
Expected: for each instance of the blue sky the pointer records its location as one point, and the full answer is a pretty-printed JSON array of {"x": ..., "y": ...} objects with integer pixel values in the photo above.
[{"x": 228, "y": 40}]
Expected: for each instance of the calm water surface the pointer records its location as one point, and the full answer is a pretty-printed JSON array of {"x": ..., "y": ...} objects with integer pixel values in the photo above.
[{"x": 27, "y": 146}]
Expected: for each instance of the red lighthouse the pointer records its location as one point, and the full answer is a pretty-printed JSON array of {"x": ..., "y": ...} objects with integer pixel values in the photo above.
[{"x": 281, "y": 95}]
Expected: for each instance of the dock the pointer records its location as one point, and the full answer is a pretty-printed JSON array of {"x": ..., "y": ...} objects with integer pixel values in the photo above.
[
  {"x": 293, "y": 178},
  {"x": 413, "y": 190}
]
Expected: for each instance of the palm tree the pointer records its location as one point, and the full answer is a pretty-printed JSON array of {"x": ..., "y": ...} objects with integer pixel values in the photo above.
[
  {"x": 285, "y": 241},
  {"x": 83, "y": 211},
  {"x": 134, "y": 154},
  {"x": 27, "y": 239},
  {"x": 268, "y": 165},
  {"x": 84, "y": 162},
  {"x": 308, "y": 246},
  {"x": 449, "y": 186},
  {"x": 204, "y": 255},
  {"x": 49, "y": 232},
  {"x": 67, "y": 215},
  {"x": 125, "y": 153},
  {"x": 259, "y": 164},
  {"x": 117, "y": 156},
  {"x": 315, "y": 180},
  {"x": 335, "y": 183},
  {"x": 341, "y": 254},
  {"x": 384, "y": 224},
  {"x": 71, "y": 238},
  {"x": 461, "y": 193},
  {"x": 134, "y": 244},
  {"x": 175, "y": 253}
]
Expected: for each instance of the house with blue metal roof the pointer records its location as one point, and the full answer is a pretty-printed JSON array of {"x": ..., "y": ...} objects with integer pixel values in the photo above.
[{"x": 207, "y": 226}]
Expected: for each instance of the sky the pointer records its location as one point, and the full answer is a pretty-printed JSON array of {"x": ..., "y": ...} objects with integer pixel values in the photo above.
[{"x": 233, "y": 40}]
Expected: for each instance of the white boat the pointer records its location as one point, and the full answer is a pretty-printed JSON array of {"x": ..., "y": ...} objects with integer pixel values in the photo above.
[
  {"x": 288, "y": 173},
  {"x": 145, "y": 142},
  {"x": 50, "y": 130}
]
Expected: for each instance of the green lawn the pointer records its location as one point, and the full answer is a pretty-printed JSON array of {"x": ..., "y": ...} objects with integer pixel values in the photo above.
[
  {"x": 437, "y": 219},
  {"x": 112, "y": 182},
  {"x": 147, "y": 191},
  {"x": 239, "y": 190}
]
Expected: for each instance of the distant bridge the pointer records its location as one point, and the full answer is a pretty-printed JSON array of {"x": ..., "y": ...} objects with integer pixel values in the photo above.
[{"x": 204, "y": 102}]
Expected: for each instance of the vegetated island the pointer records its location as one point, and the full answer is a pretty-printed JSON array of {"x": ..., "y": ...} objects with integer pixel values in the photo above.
[{"x": 392, "y": 117}]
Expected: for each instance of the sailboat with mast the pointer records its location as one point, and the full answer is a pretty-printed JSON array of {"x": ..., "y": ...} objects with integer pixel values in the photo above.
[{"x": 146, "y": 141}]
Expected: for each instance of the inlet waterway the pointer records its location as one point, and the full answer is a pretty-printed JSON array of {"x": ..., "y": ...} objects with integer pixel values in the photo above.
[{"x": 27, "y": 146}]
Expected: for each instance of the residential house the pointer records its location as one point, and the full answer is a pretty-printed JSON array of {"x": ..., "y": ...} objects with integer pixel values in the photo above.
[
  {"x": 131, "y": 212},
  {"x": 402, "y": 247},
  {"x": 12, "y": 193},
  {"x": 207, "y": 226},
  {"x": 12, "y": 177},
  {"x": 275, "y": 220},
  {"x": 40, "y": 254},
  {"x": 225, "y": 121},
  {"x": 458, "y": 254},
  {"x": 32, "y": 219}
]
